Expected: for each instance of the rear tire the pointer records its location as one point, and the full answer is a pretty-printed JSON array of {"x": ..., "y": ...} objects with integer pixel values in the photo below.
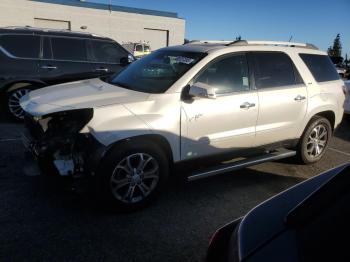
[
  {"x": 315, "y": 140},
  {"x": 132, "y": 175}
]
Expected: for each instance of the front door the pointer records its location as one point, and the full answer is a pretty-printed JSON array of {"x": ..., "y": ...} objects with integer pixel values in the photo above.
[
  {"x": 106, "y": 57},
  {"x": 212, "y": 126}
]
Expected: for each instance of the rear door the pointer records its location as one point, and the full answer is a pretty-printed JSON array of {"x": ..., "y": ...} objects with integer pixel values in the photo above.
[
  {"x": 105, "y": 57},
  {"x": 64, "y": 59},
  {"x": 282, "y": 97}
]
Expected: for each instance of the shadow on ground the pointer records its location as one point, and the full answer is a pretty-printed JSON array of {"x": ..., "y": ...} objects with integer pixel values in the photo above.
[
  {"x": 343, "y": 131},
  {"x": 46, "y": 221}
]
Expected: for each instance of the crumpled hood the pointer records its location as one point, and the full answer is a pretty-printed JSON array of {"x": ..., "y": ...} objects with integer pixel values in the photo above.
[{"x": 89, "y": 93}]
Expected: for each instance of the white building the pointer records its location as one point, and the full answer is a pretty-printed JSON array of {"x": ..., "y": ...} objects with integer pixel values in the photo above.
[{"x": 124, "y": 24}]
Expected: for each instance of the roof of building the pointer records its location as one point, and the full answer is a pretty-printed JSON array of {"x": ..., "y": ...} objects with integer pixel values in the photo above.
[{"x": 112, "y": 7}]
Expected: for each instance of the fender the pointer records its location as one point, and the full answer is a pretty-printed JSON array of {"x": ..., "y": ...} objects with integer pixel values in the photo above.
[{"x": 114, "y": 124}]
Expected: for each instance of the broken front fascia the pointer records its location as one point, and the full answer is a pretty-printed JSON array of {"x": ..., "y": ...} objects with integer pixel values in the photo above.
[{"x": 56, "y": 138}]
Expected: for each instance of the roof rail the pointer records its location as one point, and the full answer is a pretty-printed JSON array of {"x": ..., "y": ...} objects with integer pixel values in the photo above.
[
  {"x": 273, "y": 43},
  {"x": 51, "y": 30},
  {"x": 222, "y": 42},
  {"x": 245, "y": 43}
]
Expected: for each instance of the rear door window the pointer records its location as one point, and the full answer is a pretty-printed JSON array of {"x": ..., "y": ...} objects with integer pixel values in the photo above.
[
  {"x": 274, "y": 69},
  {"x": 106, "y": 52},
  {"x": 321, "y": 67},
  {"x": 23, "y": 46},
  {"x": 69, "y": 49}
]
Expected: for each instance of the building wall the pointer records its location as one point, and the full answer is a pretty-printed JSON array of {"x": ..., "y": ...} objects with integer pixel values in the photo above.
[{"x": 121, "y": 26}]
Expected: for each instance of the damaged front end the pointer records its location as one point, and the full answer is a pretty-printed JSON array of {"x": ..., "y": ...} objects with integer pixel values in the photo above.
[{"x": 57, "y": 142}]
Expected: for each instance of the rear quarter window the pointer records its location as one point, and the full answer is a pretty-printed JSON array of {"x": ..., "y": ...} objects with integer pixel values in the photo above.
[
  {"x": 321, "y": 67},
  {"x": 22, "y": 46}
]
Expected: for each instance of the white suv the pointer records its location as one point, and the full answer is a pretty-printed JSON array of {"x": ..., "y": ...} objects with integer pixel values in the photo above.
[{"x": 195, "y": 101}]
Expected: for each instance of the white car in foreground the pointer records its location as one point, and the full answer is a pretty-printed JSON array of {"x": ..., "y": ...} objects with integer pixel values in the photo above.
[{"x": 196, "y": 101}]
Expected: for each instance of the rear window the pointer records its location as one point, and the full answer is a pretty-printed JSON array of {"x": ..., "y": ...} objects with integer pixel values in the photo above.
[
  {"x": 139, "y": 48},
  {"x": 24, "y": 46},
  {"x": 108, "y": 52},
  {"x": 71, "y": 49},
  {"x": 273, "y": 69},
  {"x": 321, "y": 67}
]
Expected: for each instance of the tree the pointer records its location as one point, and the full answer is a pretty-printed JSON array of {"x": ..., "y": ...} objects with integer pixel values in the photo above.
[
  {"x": 335, "y": 50},
  {"x": 346, "y": 61}
]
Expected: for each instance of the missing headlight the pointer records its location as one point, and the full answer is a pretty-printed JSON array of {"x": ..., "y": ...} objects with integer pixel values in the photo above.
[{"x": 66, "y": 122}]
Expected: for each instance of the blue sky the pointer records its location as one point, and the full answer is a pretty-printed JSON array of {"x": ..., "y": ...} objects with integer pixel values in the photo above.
[{"x": 312, "y": 21}]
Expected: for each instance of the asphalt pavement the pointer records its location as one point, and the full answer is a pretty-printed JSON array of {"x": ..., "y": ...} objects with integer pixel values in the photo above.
[{"x": 42, "y": 219}]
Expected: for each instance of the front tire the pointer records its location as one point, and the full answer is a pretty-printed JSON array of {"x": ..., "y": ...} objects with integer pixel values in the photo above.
[
  {"x": 315, "y": 140},
  {"x": 13, "y": 102},
  {"x": 133, "y": 175}
]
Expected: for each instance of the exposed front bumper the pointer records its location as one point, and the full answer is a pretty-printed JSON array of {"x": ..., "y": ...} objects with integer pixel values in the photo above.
[{"x": 80, "y": 157}]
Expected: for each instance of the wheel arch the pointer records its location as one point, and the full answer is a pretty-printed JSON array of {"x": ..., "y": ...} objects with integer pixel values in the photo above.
[
  {"x": 329, "y": 115},
  {"x": 157, "y": 139},
  {"x": 13, "y": 85},
  {"x": 328, "y": 112}
]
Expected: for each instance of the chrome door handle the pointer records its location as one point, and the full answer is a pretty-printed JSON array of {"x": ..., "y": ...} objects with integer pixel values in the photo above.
[
  {"x": 247, "y": 105},
  {"x": 49, "y": 67},
  {"x": 102, "y": 69},
  {"x": 299, "y": 98}
]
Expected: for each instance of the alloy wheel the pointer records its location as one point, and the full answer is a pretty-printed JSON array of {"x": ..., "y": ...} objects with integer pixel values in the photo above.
[
  {"x": 317, "y": 141},
  {"x": 14, "y": 102},
  {"x": 134, "y": 178}
]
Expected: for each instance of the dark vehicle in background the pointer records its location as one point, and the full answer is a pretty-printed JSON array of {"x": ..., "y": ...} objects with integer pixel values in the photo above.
[
  {"x": 308, "y": 222},
  {"x": 31, "y": 58}
]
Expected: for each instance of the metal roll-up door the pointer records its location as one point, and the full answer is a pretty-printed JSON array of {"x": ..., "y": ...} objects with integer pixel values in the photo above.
[{"x": 156, "y": 38}]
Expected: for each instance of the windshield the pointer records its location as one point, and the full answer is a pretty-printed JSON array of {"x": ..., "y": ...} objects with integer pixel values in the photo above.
[
  {"x": 147, "y": 48},
  {"x": 156, "y": 72}
]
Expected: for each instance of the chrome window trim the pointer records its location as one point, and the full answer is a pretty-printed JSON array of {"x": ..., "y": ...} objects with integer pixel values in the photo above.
[
  {"x": 281, "y": 87},
  {"x": 236, "y": 93},
  {"x": 7, "y": 53}
]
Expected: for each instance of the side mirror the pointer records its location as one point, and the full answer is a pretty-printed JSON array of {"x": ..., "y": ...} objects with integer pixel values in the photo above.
[
  {"x": 124, "y": 61},
  {"x": 202, "y": 90},
  {"x": 131, "y": 58}
]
